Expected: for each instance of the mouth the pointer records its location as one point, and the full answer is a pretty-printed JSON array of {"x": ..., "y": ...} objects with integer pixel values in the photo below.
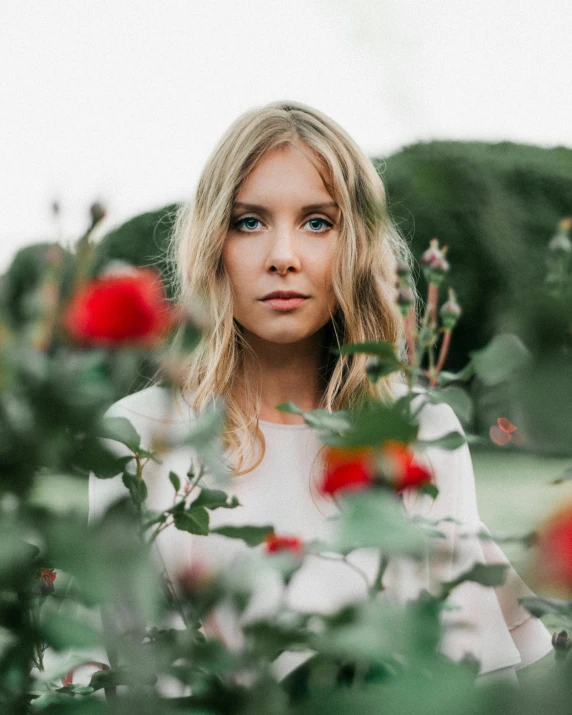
[{"x": 281, "y": 300}]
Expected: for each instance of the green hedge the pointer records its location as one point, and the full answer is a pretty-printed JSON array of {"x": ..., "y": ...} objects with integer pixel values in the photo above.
[{"x": 496, "y": 206}]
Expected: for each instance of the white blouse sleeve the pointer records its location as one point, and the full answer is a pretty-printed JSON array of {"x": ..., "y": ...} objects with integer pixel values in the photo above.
[{"x": 489, "y": 623}]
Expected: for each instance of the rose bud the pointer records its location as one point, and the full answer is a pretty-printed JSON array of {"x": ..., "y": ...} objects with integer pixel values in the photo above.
[
  {"x": 47, "y": 578},
  {"x": 347, "y": 469},
  {"x": 434, "y": 263},
  {"x": 450, "y": 311},
  {"x": 552, "y": 565},
  {"x": 123, "y": 309},
  {"x": 560, "y": 243},
  {"x": 404, "y": 299},
  {"x": 274, "y": 543},
  {"x": 400, "y": 467},
  {"x": 97, "y": 212},
  {"x": 402, "y": 269}
]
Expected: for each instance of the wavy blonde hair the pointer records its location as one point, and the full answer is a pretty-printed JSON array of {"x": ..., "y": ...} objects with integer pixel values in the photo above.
[{"x": 363, "y": 279}]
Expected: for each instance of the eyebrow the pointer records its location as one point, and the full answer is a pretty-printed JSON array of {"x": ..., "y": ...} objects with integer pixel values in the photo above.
[{"x": 262, "y": 209}]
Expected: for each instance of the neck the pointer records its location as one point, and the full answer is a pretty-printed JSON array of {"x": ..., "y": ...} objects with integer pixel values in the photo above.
[{"x": 288, "y": 373}]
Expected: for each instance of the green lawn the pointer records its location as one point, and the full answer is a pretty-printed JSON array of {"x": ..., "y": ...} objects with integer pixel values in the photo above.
[{"x": 515, "y": 495}]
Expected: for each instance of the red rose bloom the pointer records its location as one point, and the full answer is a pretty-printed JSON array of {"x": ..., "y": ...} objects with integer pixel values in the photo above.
[
  {"x": 115, "y": 310},
  {"x": 47, "y": 576},
  {"x": 347, "y": 469},
  {"x": 402, "y": 470},
  {"x": 553, "y": 553},
  {"x": 274, "y": 543}
]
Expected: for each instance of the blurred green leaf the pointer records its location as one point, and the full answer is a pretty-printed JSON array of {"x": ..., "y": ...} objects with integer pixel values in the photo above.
[
  {"x": 500, "y": 359},
  {"x": 62, "y": 632},
  {"x": 456, "y": 398},
  {"x": 121, "y": 430},
  {"x": 319, "y": 419},
  {"x": 449, "y": 441},
  {"x": 485, "y": 574},
  {"x": 251, "y": 535},
  {"x": 195, "y": 521},
  {"x": 214, "y": 499},
  {"x": 542, "y": 606},
  {"x": 175, "y": 481},
  {"x": 375, "y": 518},
  {"x": 372, "y": 425}
]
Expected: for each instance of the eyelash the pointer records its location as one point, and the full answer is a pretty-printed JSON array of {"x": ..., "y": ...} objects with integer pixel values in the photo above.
[{"x": 238, "y": 223}]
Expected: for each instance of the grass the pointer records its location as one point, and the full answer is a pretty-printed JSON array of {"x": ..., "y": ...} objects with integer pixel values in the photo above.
[{"x": 515, "y": 496}]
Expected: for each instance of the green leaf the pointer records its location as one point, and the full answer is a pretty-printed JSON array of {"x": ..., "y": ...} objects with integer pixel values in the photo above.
[
  {"x": 319, "y": 419},
  {"x": 62, "y": 632},
  {"x": 450, "y": 441},
  {"x": 137, "y": 488},
  {"x": 543, "y": 606},
  {"x": 195, "y": 521},
  {"x": 120, "y": 430},
  {"x": 373, "y": 424},
  {"x": 380, "y": 349},
  {"x": 175, "y": 481},
  {"x": 464, "y": 375},
  {"x": 491, "y": 575},
  {"x": 500, "y": 359},
  {"x": 214, "y": 499},
  {"x": 456, "y": 398},
  {"x": 251, "y": 535},
  {"x": 376, "y": 519}
]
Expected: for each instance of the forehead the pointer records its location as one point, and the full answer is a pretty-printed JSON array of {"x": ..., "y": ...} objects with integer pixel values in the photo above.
[{"x": 285, "y": 170}]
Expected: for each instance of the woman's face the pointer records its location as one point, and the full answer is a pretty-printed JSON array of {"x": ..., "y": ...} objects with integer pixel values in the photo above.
[{"x": 282, "y": 237}]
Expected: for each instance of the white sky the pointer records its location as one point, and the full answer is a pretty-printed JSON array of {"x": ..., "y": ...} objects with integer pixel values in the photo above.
[{"x": 123, "y": 100}]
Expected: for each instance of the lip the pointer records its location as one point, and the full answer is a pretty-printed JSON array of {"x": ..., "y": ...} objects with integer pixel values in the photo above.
[
  {"x": 284, "y": 303},
  {"x": 284, "y": 294}
]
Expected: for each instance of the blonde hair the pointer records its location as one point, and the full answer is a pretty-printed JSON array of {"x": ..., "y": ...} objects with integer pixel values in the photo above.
[{"x": 363, "y": 279}]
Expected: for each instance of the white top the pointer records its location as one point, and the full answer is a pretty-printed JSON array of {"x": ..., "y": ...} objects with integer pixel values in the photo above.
[{"x": 282, "y": 491}]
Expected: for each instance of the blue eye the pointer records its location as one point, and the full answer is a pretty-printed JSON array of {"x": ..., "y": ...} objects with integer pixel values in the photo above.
[
  {"x": 322, "y": 221},
  {"x": 241, "y": 221},
  {"x": 241, "y": 224}
]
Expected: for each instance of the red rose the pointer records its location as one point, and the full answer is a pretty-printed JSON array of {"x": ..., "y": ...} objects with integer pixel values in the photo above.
[
  {"x": 553, "y": 552},
  {"x": 115, "y": 310},
  {"x": 47, "y": 576},
  {"x": 274, "y": 543},
  {"x": 400, "y": 467},
  {"x": 347, "y": 469}
]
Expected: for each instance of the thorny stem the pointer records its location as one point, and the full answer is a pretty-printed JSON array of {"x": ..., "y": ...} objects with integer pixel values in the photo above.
[
  {"x": 442, "y": 357},
  {"x": 432, "y": 298}
]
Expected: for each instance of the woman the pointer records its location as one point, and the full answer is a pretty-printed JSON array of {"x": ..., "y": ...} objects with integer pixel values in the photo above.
[{"x": 289, "y": 246}]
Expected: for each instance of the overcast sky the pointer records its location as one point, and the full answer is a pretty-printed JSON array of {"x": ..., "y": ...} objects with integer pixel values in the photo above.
[{"x": 123, "y": 101}]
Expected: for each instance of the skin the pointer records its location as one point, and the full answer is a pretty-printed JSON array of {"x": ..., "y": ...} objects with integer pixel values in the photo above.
[{"x": 283, "y": 247}]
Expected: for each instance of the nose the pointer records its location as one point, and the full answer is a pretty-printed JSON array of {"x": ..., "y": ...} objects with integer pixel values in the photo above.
[{"x": 282, "y": 253}]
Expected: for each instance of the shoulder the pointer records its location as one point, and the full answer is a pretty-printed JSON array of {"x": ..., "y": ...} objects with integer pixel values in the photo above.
[
  {"x": 435, "y": 419},
  {"x": 153, "y": 411}
]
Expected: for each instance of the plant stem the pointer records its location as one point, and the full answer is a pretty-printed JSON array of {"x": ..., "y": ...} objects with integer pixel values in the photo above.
[
  {"x": 376, "y": 585},
  {"x": 442, "y": 357}
]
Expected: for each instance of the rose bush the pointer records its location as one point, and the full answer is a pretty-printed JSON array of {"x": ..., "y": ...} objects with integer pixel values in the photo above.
[{"x": 56, "y": 571}]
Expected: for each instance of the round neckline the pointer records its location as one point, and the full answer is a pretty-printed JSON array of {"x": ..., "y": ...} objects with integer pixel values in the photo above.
[{"x": 280, "y": 425}]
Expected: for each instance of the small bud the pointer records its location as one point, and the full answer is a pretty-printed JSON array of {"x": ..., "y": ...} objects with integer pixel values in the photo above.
[
  {"x": 560, "y": 640},
  {"x": 434, "y": 263},
  {"x": 47, "y": 578},
  {"x": 404, "y": 299},
  {"x": 560, "y": 243},
  {"x": 402, "y": 269},
  {"x": 97, "y": 212},
  {"x": 450, "y": 311}
]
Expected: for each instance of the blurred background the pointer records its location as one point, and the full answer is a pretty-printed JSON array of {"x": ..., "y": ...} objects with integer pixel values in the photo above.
[{"x": 464, "y": 109}]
